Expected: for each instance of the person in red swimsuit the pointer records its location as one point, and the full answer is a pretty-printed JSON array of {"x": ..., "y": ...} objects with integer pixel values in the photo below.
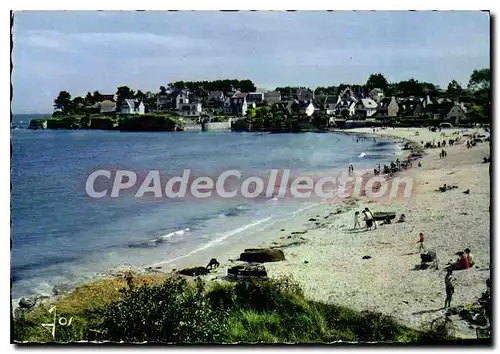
[{"x": 465, "y": 261}]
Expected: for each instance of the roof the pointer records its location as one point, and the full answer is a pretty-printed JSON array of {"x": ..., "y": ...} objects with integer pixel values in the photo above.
[
  {"x": 331, "y": 99},
  {"x": 107, "y": 102},
  {"x": 129, "y": 102},
  {"x": 369, "y": 103},
  {"x": 240, "y": 95},
  {"x": 272, "y": 94}
]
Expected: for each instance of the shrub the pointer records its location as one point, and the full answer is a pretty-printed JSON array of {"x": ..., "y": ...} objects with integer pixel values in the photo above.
[
  {"x": 174, "y": 311},
  {"x": 441, "y": 329}
]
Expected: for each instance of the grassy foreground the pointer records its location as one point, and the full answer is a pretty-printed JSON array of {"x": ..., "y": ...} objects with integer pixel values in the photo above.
[{"x": 175, "y": 310}]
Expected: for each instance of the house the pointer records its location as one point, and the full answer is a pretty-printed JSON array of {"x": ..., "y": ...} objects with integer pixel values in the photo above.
[
  {"x": 132, "y": 106},
  {"x": 304, "y": 95},
  {"x": 272, "y": 97},
  {"x": 439, "y": 110},
  {"x": 392, "y": 108},
  {"x": 217, "y": 96},
  {"x": 107, "y": 106},
  {"x": 307, "y": 108},
  {"x": 418, "y": 110},
  {"x": 410, "y": 107},
  {"x": 365, "y": 108},
  {"x": 329, "y": 105},
  {"x": 288, "y": 107},
  {"x": 190, "y": 110},
  {"x": 163, "y": 102},
  {"x": 427, "y": 101},
  {"x": 456, "y": 114},
  {"x": 255, "y": 97},
  {"x": 376, "y": 94},
  {"x": 180, "y": 96},
  {"x": 319, "y": 99},
  {"x": 238, "y": 104}
]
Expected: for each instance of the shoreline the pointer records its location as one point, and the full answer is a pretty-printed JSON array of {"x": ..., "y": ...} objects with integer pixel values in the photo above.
[{"x": 310, "y": 261}]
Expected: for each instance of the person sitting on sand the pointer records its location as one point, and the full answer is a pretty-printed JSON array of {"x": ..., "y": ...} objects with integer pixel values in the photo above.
[
  {"x": 449, "y": 281},
  {"x": 402, "y": 218},
  {"x": 386, "y": 221},
  {"x": 463, "y": 261},
  {"x": 430, "y": 256},
  {"x": 442, "y": 189},
  {"x": 470, "y": 257},
  {"x": 356, "y": 220},
  {"x": 420, "y": 242}
]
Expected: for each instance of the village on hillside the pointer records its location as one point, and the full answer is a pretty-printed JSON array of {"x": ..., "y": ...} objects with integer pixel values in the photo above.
[{"x": 239, "y": 105}]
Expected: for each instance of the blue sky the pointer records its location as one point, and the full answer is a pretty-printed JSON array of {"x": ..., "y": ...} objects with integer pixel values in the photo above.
[{"x": 87, "y": 51}]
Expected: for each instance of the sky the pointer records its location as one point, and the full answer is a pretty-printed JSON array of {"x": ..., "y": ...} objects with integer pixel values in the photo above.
[{"x": 81, "y": 51}]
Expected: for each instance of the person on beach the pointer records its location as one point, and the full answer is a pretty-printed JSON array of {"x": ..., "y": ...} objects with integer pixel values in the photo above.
[
  {"x": 420, "y": 242},
  {"x": 356, "y": 220},
  {"x": 470, "y": 257},
  {"x": 464, "y": 261},
  {"x": 368, "y": 220},
  {"x": 370, "y": 215},
  {"x": 450, "y": 287}
]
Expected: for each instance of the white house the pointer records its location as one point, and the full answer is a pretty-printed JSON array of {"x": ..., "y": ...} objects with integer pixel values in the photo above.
[
  {"x": 130, "y": 106},
  {"x": 365, "y": 108},
  {"x": 181, "y": 98},
  {"x": 377, "y": 94},
  {"x": 190, "y": 110},
  {"x": 307, "y": 108}
]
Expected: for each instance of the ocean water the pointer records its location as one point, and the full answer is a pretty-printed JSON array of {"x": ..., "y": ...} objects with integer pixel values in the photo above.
[{"x": 61, "y": 236}]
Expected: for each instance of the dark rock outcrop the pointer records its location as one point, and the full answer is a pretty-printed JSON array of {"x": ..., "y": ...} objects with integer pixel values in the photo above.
[
  {"x": 193, "y": 272},
  {"x": 27, "y": 303},
  {"x": 248, "y": 270},
  {"x": 36, "y": 124},
  {"x": 262, "y": 255}
]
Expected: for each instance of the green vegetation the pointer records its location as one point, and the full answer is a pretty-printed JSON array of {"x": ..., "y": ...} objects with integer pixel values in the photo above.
[
  {"x": 173, "y": 309},
  {"x": 132, "y": 122}
]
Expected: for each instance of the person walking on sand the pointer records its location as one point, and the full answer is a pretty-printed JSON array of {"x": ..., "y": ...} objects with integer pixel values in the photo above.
[
  {"x": 420, "y": 242},
  {"x": 356, "y": 220},
  {"x": 450, "y": 287}
]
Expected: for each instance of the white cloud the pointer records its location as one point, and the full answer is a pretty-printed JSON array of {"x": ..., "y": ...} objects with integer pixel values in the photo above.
[{"x": 133, "y": 40}]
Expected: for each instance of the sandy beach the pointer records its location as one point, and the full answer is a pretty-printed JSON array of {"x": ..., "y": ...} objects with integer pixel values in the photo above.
[{"x": 326, "y": 257}]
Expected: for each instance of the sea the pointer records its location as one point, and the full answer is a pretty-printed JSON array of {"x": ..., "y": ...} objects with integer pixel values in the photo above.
[{"x": 61, "y": 236}]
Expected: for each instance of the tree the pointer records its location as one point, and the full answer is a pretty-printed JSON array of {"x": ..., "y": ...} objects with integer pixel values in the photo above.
[
  {"x": 376, "y": 81},
  {"x": 140, "y": 95},
  {"x": 410, "y": 88},
  {"x": 97, "y": 97},
  {"x": 63, "y": 102},
  {"x": 89, "y": 100},
  {"x": 454, "y": 89},
  {"x": 163, "y": 90},
  {"x": 78, "y": 102},
  {"x": 480, "y": 79},
  {"x": 123, "y": 93}
]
